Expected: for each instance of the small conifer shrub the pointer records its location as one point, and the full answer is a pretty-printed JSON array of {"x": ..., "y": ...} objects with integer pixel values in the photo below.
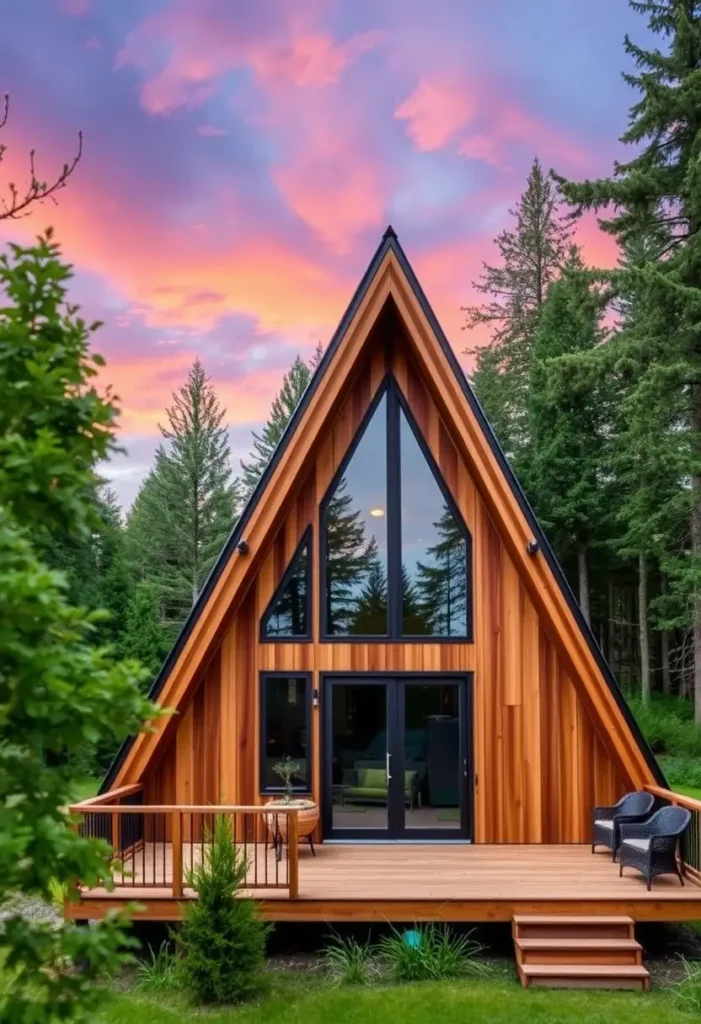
[{"x": 222, "y": 940}]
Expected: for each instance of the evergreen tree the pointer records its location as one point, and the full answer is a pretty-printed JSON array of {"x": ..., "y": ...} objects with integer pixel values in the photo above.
[
  {"x": 564, "y": 473},
  {"x": 532, "y": 253},
  {"x": 294, "y": 384},
  {"x": 347, "y": 559},
  {"x": 187, "y": 505},
  {"x": 659, "y": 189},
  {"x": 144, "y": 637},
  {"x": 441, "y": 581},
  {"x": 414, "y": 618},
  {"x": 370, "y": 617}
]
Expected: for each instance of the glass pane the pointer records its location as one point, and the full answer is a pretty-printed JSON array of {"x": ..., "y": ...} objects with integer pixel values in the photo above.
[
  {"x": 434, "y": 554},
  {"x": 356, "y": 538},
  {"x": 289, "y": 615},
  {"x": 432, "y": 756},
  {"x": 285, "y": 736},
  {"x": 359, "y": 756}
]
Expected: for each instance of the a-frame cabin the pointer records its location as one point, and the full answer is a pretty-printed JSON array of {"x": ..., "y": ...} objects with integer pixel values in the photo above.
[{"x": 388, "y": 615}]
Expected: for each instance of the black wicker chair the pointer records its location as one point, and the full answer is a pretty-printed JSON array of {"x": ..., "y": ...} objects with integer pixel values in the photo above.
[
  {"x": 606, "y": 821},
  {"x": 651, "y": 846}
]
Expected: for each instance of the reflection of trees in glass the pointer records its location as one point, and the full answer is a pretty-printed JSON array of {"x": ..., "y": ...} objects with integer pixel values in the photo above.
[
  {"x": 371, "y": 605},
  {"x": 289, "y": 614},
  {"x": 441, "y": 582},
  {"x": 348, "y": 558},
  {"x": 414, "y": 619}
]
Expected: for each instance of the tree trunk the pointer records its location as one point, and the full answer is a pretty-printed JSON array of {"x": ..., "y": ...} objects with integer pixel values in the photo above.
[
  {"x": 696, "y": 549},
  {"x": 583, "y": 569},
  {"x": 664, "y": 649},
  {"x": 643, "y": 629}
]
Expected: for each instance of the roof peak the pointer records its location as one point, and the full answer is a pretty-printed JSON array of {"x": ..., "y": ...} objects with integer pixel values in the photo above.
[{"x": 390, "y": 232}]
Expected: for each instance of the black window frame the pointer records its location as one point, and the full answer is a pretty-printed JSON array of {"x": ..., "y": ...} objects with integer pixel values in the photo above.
[
  {"x": 291, "y": 638},
  {"x": 395, "y": 401},
  {"x": 263, "y": 788}
]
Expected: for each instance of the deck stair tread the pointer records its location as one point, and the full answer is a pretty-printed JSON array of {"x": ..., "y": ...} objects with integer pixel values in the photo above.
[
  {"x": 566, "y": 919},
  {"x": 578, "y": 944},
  {"x": 585, "y": 970}
]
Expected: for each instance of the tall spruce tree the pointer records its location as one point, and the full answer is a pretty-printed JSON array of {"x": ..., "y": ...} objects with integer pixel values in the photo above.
[
  {"x": 188, "y": 504},
  {"x": 567, "y": 406},
  {"x": 294, "y": 384},
  {"x": 660, "y": 189},
  {"x": 532, "y": 254},
  {"x": 441, "y": 585}
]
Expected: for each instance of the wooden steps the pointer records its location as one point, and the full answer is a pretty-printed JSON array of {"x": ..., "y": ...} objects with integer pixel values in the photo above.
[{"x": 561, "y": 951}]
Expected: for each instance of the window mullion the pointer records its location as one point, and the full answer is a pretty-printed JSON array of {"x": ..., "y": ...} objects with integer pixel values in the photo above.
[{"x": 394, "y": 524}]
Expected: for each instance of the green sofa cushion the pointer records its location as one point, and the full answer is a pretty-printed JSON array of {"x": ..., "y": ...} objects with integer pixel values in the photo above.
[{"x": 372, "y": 778}]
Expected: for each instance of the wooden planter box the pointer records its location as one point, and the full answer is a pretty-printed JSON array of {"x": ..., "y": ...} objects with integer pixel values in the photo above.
[{"x": 307, "y": 818}]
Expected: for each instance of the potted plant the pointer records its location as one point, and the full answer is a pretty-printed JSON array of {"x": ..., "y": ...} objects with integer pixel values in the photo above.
[{"x": 308, "y": 815}]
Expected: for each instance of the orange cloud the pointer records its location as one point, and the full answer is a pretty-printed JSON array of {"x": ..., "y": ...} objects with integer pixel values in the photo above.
[{"x": 436, "y": 111}]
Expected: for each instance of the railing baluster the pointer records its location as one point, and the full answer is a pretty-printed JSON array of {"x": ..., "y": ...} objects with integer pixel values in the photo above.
[{"x": 177, "y": 853}]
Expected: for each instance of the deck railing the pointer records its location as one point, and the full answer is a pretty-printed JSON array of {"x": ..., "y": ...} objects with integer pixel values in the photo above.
[
  {"x": 156, "y": 847},
  {"x": 690, "y": 846}
]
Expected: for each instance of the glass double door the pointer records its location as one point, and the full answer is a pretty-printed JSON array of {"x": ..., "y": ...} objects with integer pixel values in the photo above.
[{"x": 397, "y": 758}]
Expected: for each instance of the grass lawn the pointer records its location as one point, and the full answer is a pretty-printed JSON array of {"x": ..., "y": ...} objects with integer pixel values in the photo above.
[
  {"x": 300, "y": 999},
  {"x": 688, "y": 791}
]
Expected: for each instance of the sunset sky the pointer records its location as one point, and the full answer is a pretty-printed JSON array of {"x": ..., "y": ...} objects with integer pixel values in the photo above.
[{"x": 243, "y": 157}]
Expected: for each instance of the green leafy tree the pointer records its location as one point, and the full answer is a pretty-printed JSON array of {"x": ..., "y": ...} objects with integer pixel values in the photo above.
[
  {"x": 659, "y": 190},
  {"x": 222, "y": 939},
  {"x": 568, "y": 415},
  {"x": 294, "y": 384},
  {"x": 441, "y": 582},
  {"x": 531, "y": 255},
  {"x": 58, "y": 690},
  {"x": 188, "y": 504}
]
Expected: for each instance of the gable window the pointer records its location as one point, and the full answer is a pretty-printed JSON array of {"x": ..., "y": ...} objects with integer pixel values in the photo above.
[
  {"x": 288, "y": 615},
  {"x": 396, "y": 554},
  {"x": 285, "y": 729}
]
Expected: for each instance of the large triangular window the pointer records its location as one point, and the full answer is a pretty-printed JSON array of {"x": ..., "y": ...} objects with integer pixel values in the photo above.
[
  {"x": 289, "y": 613},
  {"x": 395, "y": 550}
]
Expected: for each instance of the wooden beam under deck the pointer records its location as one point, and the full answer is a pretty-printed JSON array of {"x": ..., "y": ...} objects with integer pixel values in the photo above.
[{"x": 440, "y": 883}]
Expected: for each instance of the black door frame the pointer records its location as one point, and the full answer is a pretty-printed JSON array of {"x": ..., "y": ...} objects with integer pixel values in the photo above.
[{"x": 396, "y": 827}]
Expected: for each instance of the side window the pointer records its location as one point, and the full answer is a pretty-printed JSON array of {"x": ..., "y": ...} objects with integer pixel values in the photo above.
[
  {"x": 288, "y": 616},
  {"x": 285, "y": 718}
]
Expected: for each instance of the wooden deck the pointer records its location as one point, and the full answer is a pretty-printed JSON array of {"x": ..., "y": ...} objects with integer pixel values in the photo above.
[{"x": 432, "y": 882}]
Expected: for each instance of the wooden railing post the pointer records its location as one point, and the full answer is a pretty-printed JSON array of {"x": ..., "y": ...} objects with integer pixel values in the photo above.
[
  {"x": 176, "y": 835},
  {"x": 293, "y": 854},
  {"x": 116, "y": 833}
]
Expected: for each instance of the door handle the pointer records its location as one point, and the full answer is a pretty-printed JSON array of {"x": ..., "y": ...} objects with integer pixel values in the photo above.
[
  {"x": 464, "y": 767},
  {"x": 389, "y": 766}
]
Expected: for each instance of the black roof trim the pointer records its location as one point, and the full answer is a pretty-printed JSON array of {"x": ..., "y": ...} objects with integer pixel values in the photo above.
[{"x": 389, "y": 242}]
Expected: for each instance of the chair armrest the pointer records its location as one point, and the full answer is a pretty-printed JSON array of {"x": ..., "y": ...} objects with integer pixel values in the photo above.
[
  {"x": 634, "y": 830},
  {"x": 604, "y": 813},
  {"x": 657, "y": 840},
  {"x": 624, "y": 819}
]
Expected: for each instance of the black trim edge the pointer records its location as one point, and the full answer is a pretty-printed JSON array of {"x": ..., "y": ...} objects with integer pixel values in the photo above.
[{"x": 291, "y": 638}]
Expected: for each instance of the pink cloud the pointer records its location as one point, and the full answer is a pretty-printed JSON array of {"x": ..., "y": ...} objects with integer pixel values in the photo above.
[
  {"x": 440, "y": 110},
  {"x": 75, "y": 8},
  {"x": 210, "y": 131},
  {"x": 93, "y": 43},
  {"x": 204, "y": 44},
  {"x": 436, "y": 111}
]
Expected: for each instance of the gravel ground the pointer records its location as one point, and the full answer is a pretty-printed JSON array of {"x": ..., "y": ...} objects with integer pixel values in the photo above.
[{"x": 30, "y": 907}]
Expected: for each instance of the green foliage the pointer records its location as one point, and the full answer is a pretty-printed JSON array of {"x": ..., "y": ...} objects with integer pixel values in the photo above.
[
  {"x": 287, "y": 769},
  {"x": 59, "y": 691},
  {"x": 349, "y": 962},
  {"x": 436, "y": 954},
  {"x": 294, "y": 384},
  {"x": 187, "y": 505},
  {"x": 160, "y": 970},
  {"x": 144, "y": 637},
  {"x": 222, "y": 938},
  {"x": 687, "y": 992},
  {"x": 668, "y": 725},
  {"x": 532, "y": 254}
]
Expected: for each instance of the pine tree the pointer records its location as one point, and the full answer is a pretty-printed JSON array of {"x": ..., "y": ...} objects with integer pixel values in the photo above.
[
  {"x": 532, "y": 254},
  {"x": 347, "y": 560},
  {"x": 414, "y": 618},
  {"x": 659, "y": 189},
  {"x": 144, "y": 637},
  {"x": 370, "y": 617},
  {"x": 441, "y": 581},
  {"x": 294, "y": 384},
  {"x": 564, "y": 472},
  {"x": 187, "y": 505}
]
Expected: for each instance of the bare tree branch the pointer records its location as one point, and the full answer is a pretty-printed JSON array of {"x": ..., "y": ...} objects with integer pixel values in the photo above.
[{"x": 17, "y": 203}]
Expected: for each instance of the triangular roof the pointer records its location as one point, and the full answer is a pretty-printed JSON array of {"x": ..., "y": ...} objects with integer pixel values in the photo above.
[{"x": 390, "y": 274}]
